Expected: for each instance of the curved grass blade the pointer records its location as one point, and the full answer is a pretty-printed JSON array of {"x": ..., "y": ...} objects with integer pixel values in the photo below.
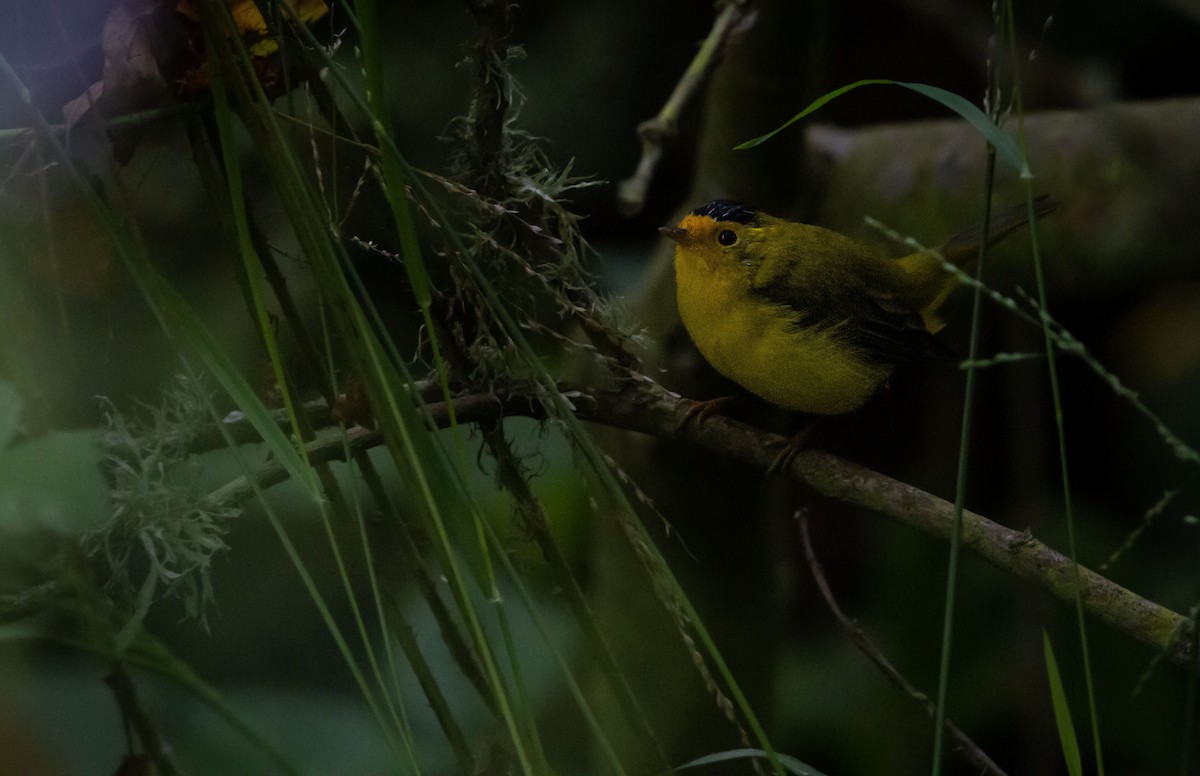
[
  {"x": 1006, "y": 147},
  {"x": 393, "y": 176},
  {"x": 405, "y": 173},
  {"x": 560, "y": 408},
  {"x": 791, "y": 764}
]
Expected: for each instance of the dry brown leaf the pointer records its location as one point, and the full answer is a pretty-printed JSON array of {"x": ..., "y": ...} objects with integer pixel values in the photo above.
[{"x": 141, "y": 42}]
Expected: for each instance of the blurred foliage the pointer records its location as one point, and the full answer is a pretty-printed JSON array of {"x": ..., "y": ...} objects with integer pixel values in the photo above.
[{"x": 76, "y": 327}]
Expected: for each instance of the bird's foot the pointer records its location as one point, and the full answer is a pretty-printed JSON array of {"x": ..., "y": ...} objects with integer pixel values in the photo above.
[
  {"x": 700, "y": 410},
  {"x": 790, "y": 450}
]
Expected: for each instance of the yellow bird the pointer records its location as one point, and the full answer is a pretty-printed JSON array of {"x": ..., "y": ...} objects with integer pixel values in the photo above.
[{"x": 805, "y": 317}]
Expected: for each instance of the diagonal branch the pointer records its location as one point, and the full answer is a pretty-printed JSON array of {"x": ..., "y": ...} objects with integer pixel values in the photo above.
[
  {"x": 653, "y": 410},
  {"x": 647, "y": 408}
]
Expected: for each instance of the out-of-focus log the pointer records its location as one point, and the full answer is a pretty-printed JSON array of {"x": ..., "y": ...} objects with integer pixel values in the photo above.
[{"x": 1128, "y": 178}]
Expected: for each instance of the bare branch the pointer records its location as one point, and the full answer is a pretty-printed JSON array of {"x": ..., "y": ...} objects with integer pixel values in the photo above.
[
  {"x": 631, "y": 194},
  {"x": 652, "y": 410},
  {"x": 977, "y": 756}
]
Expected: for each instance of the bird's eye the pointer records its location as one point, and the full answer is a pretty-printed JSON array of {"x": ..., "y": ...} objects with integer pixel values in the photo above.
[{"x": 726, "y": 238}]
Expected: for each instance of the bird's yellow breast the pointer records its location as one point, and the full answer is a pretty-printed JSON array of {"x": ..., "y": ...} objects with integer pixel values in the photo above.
[{"x": 766, "y": 348}]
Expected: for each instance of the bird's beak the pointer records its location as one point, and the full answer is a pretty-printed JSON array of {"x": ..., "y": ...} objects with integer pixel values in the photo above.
[{"x": 674, "y": 232}]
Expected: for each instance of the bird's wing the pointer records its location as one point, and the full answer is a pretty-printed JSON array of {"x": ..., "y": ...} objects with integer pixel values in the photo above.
[
  {"x": 891, "y": 331},
  {"x": 839, "y": 291}
]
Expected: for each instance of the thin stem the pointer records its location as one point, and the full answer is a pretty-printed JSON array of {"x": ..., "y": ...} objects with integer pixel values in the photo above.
[
  {"x": 960, "y": 490},
  {"x": 1056, "y": 395}
]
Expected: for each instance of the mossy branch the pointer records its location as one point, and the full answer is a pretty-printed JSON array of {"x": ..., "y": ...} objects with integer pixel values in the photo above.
[{"x": 645, "y": 407}]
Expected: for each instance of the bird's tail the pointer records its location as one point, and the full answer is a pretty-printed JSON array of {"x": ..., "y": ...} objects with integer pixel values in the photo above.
[{"x": 963, "y": 248}]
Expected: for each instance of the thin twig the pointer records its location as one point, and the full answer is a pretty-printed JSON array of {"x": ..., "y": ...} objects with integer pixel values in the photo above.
[
  {"x": 631, "y": 193},
  {"x": 861, "y": 640}
]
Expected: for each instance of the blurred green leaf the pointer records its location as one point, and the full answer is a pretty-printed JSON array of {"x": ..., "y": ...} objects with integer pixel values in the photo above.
[
  {"x": 1062, "y": 711},
  {"x": 1005, "y": 146},
  {"x": 53, "y": 484}
]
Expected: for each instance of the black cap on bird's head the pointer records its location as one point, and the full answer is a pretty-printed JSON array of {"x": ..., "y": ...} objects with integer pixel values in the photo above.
[
  {"x": 728, "y": 210},
  {"x": 703, "y": 225}
]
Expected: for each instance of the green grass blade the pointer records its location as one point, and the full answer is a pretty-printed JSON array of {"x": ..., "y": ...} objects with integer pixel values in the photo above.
[
  {"x": 393, "y": 179},
  {"x": 560, "y": 660},
  {"x": 791, "y": 764},
  {"x": 561, "y": 409},
  {"x": 597, "y": 466},
  {"x": 174, "y": 315},
  {"x": 185, "y": 328},
  {"x": 255, "y": 282},
  {"x": 1062, "y": 711},
  {"x": 1056, "y": 395},
  {"x": 813, "y": 107},
  {"x": 404, "y": 440},
  {"x": 317, "y": 598},
  {"x": 424, "y": 465},
  {"x": 960, "y": 489},
  {"x": 1006, "y": 147},
  {"x": 223, "y": 117}
]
